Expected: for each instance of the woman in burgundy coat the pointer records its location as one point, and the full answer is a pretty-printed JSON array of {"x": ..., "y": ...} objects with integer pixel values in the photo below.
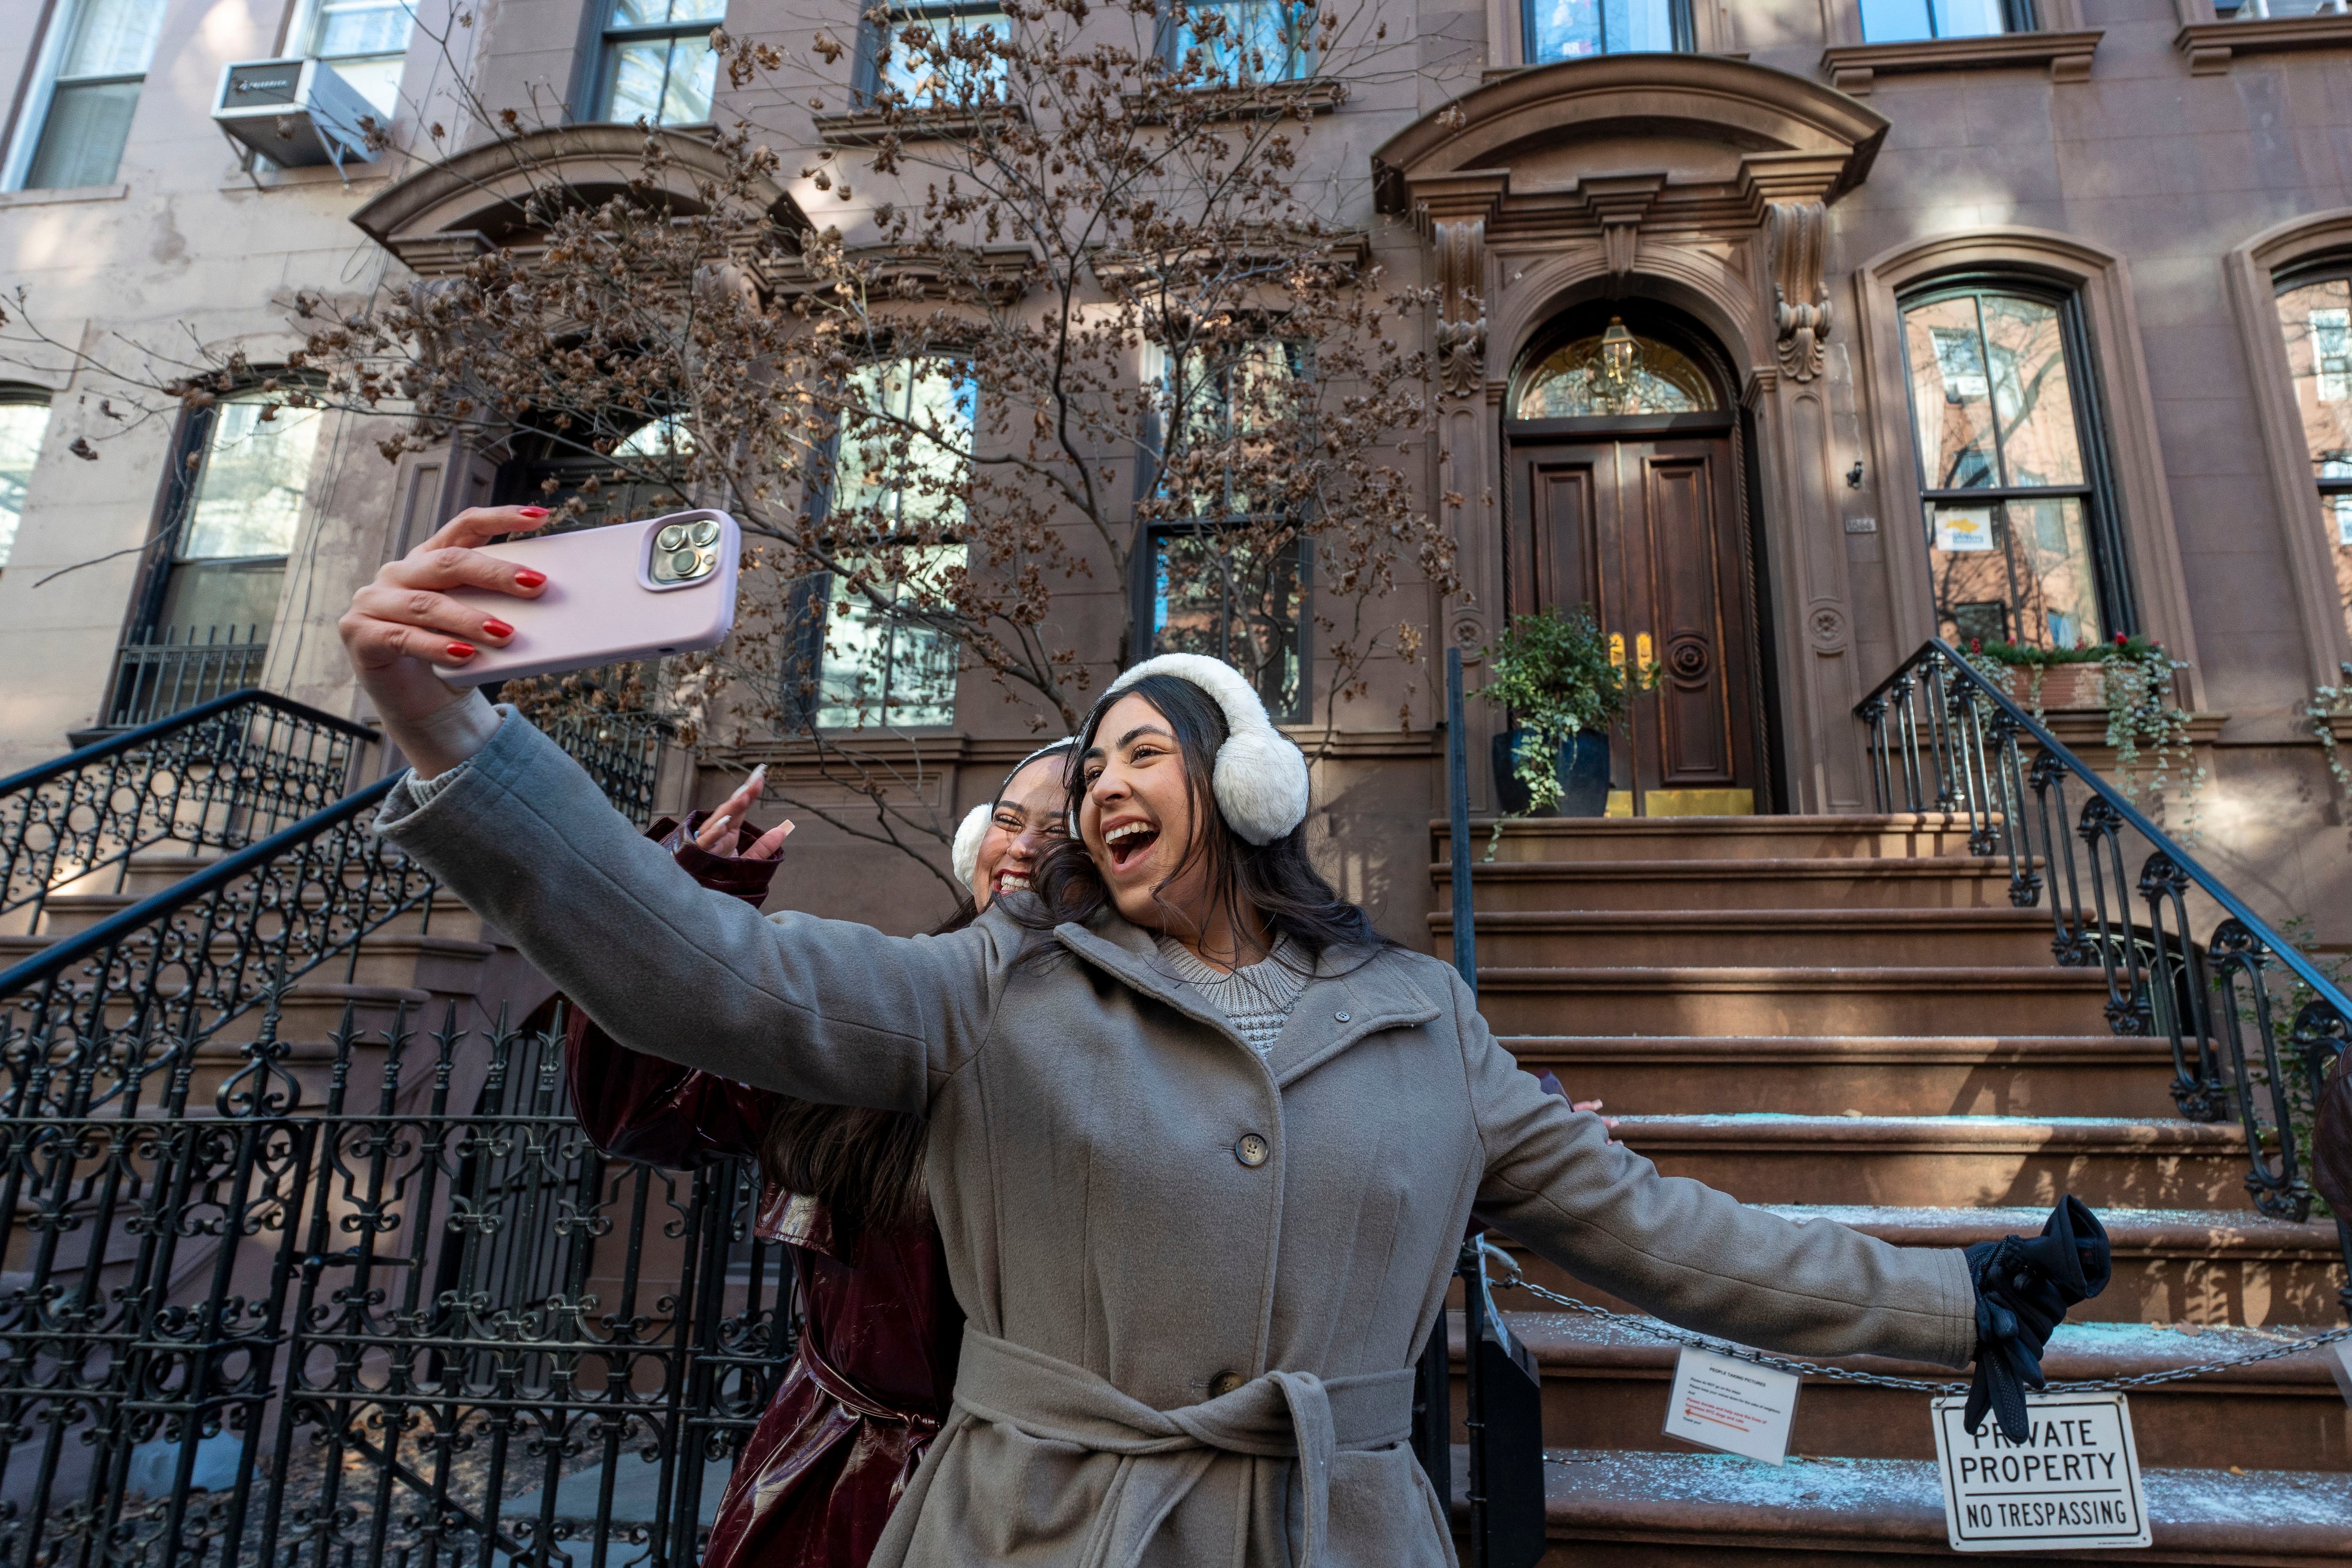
[{"x": 843, "y": 1188}]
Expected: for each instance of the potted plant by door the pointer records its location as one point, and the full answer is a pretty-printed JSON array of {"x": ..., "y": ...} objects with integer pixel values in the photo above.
[{"x": 1564, "y": 686}]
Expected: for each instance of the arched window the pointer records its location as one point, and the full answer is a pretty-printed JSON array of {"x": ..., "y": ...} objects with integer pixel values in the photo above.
[
  {"x": 2020, "y": 527},
  {"x": 2314, "y": 312},
  {"x": 1614, "y": 372},
  {"x": 24, "y": 419}
]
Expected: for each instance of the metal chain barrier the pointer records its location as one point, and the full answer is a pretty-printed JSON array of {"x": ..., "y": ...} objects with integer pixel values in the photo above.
[{"x": 1655, "y": 1330}]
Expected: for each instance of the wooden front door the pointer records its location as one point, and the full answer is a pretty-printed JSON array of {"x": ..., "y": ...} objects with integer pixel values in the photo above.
[{"x": 1646, "y": 529}]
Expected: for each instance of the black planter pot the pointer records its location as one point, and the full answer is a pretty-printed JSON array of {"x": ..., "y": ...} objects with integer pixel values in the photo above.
[{"x": 1583, "y": 776}]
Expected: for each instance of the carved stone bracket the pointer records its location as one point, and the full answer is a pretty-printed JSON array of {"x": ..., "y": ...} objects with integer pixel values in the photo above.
[
  {"x": 1455, "y": 210},
  {"x": 1797, "y": 232},
  {"x": 1619, "y": 204}
]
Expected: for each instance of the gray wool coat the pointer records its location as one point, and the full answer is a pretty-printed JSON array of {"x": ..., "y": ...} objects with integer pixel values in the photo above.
[{"x": 1196, "y": 1277}]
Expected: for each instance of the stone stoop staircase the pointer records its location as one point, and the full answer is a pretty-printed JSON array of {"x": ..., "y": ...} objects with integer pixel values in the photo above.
[{"x": 1843, "y": 1016}]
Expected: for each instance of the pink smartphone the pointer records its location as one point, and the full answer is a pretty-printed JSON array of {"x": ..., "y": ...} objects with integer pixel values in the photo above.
[{"x": 625, "y": 592}]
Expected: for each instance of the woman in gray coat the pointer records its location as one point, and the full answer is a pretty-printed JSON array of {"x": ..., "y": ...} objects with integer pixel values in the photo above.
[{"x": 1201, "y": 1147}]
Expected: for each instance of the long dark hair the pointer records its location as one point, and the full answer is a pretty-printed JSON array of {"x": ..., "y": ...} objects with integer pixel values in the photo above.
[{"x": 1277, "y": 880}]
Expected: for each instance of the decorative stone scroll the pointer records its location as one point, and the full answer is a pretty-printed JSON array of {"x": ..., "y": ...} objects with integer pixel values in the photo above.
[
  {"x": 1800, "y": 313},
  {"x": 1454, "y": 209}
]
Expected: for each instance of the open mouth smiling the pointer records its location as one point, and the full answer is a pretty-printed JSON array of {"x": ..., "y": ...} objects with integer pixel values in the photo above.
[
  {"x": 1012, "y": 882},
  {"x": 1129, "y": 842}
]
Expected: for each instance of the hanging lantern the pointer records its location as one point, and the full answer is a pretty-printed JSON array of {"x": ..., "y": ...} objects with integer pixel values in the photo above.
[{"x": 1619, "y": 354}]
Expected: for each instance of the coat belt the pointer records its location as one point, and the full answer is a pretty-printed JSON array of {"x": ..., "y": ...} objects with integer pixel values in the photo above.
[{"x": 1163, "y": 1454}]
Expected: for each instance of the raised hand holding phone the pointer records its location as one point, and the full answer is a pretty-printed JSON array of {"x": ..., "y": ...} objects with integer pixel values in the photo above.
[{"x": 403, "y": 627}]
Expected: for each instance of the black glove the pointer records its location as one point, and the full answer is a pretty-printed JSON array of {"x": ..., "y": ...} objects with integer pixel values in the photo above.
[{"x": 2023, "y": 1288}]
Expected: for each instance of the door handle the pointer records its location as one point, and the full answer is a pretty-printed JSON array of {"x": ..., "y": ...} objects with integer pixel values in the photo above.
[
  {"x": 1617, "y": 651},
  {"x": 1643, "y": 650}
]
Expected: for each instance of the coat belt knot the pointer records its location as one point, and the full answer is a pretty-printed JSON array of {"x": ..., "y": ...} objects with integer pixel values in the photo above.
[{"x": 1164, "y": 1453}]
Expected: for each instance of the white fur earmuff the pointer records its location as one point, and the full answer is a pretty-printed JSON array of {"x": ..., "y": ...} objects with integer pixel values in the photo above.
[
  {"x": 1261, "y": 777},
  {"x": 968, "y": 833},
  {"x": 965, "y": 855}
]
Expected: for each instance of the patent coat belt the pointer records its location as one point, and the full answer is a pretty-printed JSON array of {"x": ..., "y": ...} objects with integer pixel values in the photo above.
[{"x": 1164, "y": 1453}]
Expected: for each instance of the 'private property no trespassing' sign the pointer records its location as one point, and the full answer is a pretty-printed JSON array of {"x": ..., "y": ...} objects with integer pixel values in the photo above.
[{"x": 2073, "y": 1482}]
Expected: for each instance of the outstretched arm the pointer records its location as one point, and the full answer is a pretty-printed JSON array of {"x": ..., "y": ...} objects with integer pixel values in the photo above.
[{"x": 1690, "y": 1254}]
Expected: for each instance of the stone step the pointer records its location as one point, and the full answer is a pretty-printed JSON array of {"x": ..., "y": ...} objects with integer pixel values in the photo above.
[
  {"x": 1955, "y": 1162},
  {"x": 1637, "y": 1000},
  {"x": 1855, "y": 837},
  {"x": 1942, "y": 882},
  {"x": 1605, "y": 1386},
  {"x": 1970, "y": 938},
  {"x": 1878, "y": 1075},
  {"x": 1691, "y": 1509},
  {"x": 2188, "y": 1267}
]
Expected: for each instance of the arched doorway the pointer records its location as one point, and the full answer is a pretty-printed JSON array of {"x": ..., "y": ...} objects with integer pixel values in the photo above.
[{"x": 1622, "y": 451}]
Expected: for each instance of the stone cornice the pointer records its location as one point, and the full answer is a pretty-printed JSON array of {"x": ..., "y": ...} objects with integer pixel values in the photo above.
[{"x": 2210, "y": 45}]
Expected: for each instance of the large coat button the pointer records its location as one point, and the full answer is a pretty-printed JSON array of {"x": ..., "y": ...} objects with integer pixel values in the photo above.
[
  {"x": 1225, "y": 1383},
  {"x": 1252, "y": 1150}
]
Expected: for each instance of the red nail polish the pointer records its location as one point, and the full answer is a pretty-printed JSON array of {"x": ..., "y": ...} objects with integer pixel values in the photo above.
[
  {"x": 498, "y": 628},
  {"x": 529, "y": 578},
  {"x": 461, "y": 650},
  {"x": 532, "y": 510}
]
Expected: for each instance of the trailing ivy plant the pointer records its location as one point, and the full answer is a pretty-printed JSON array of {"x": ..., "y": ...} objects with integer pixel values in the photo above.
[
  {"x": 1559, "y": 676},
  {"x": 2147, "y": 729},
  {"x": 2328, "y": 707}
]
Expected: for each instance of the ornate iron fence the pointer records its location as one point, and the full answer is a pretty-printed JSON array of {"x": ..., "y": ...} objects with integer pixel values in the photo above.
[
  {"x": 220, "y": 775},
  {"x": 2254, "y": 1025},
  {"x": 413, "y": 1320}
]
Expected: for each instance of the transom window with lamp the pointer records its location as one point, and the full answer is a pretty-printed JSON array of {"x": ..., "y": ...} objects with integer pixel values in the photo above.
[
  {"x": 1225, "y": 572},
  {"x": 865, "y": 657},
  {"x": 2314, "y": 308},
  {"x": 2021, "y": 544}
]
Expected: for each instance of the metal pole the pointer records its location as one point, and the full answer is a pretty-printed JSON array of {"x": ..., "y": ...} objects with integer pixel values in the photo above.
[{"x": 1457, "y": 790}]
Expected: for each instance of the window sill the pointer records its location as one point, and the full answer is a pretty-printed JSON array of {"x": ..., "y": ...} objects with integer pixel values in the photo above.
[
  {"x": 1500, "y": 73},
  {"x": 868, "y": 127},
  {"x": 1312, "y": 95},
  {"x": 58, "y": 198},
  {"x": 2210, "y": 45},
  {"x": 1853, "y": 68}
]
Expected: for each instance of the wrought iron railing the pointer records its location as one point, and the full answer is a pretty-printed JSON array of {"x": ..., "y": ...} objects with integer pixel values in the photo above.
[
  {"x": 414, "y": 1321},
  {"x": 270, "y": 1296},
  {"x": 2253, "y": 1024},
  {"x": 219, "y": 775},
  {"x": 155, "y": 677}
]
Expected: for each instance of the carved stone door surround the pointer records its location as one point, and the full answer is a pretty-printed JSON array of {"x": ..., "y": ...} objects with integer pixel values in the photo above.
[{"x": 1700, "y": 181}]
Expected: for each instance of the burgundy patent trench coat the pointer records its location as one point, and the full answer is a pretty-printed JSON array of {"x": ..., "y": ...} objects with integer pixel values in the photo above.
[{"x": 869, "y": 1384}]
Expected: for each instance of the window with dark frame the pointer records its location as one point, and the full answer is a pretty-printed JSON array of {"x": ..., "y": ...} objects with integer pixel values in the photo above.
[
  {"x": 24, "y": 420},
  {"x": 1917, "y": 21},
  {"x": 1226, "y": 576},
  {"x": 1555, "y": 30},
  {"x": 1244, "y": 41},
  {"x": 2315, "y": 312},
  {"x": 852, "y": 662},
  {"x": 903, "y": 53},
  {"x": 2020, "y": 514},
  {"x": 84, "y": 109},
  {"x": 656, "y": 64}
]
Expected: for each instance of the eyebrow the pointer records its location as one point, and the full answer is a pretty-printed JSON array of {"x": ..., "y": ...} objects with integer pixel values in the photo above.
[{"x": 1095, "y": 754}]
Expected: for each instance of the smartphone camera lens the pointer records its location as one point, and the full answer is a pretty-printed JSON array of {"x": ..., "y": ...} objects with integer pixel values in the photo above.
[
  {"x": 683, "y": 562},
  {"x": 671, "y": 538},
  {"x": 704, "y": 533}
]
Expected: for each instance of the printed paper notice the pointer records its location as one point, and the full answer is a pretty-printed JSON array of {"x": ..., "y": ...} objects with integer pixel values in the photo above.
[
  {"x": 2072, "y": 1483},
  {"x": 1964, "y": 528},
  {"x": 1733, "y": 1405}
]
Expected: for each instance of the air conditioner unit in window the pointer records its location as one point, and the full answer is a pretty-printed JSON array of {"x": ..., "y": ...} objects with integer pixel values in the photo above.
[{"x": 295, "y": 112}]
